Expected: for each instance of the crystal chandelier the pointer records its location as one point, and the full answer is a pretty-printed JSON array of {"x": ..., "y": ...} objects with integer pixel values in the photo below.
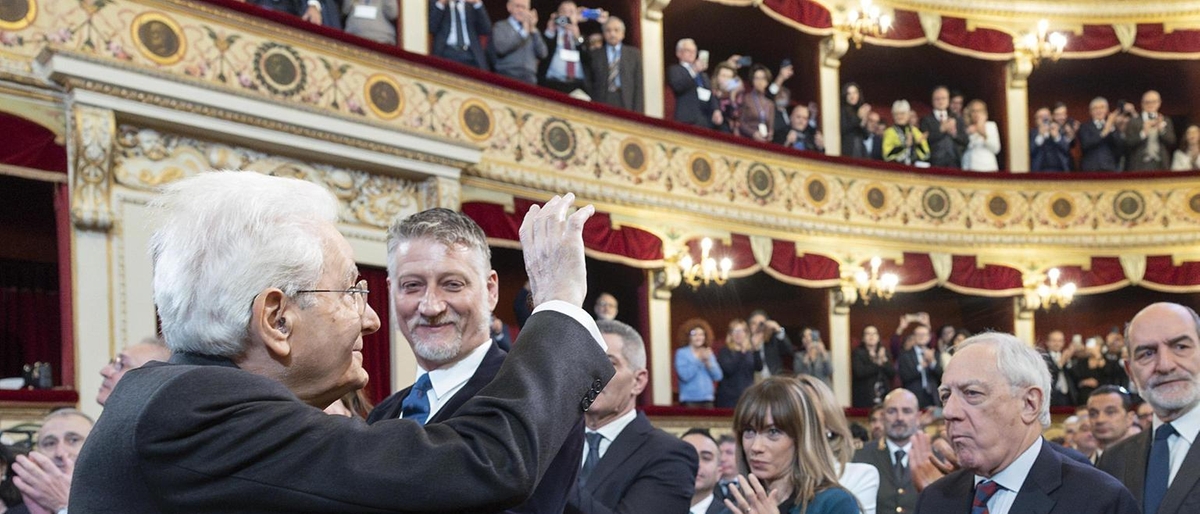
[
  {"x": 1044, "y": 295},
  {"x": 706, "y": 271},
  {"x": 1043, "y": 44},
  {"x": 867, "y": 20},
  {"x": 870, "y": 285}
]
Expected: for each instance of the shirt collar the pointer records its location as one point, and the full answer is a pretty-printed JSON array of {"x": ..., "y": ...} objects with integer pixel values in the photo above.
[
  {"x": 448, "y": 379},
  {"x": 516, "y": 24},
  {"x": 1013, "y": 476},
  {"x": 703, "y": 505},
  {"x": 1187, "y": 425},
  {"x": 613, "y": 429},
  {"x": 892, "y": 447}
]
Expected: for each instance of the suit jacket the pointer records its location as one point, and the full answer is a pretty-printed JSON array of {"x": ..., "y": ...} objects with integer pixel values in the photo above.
[
  {"x": 783, "y": 124},
  {"x": 738, "y": 369},
  {"x": 644, "y": 470},
  {"x": 910, "y": 376},
  {"x": 630, "y": 95},
  {"x": 293, "y": 7},
  {"x": 516, "y": 56},
  {"x": 477, "y": 22},
  {"x": 876, "y": 151},
  {"x": 894, "y": 496},
  {"x": 1127, "y": 461},
  {"x": 550, "y": 496},
  {"x": 1057, "y": 398},
  {"x": 1054, "y": 485},
  {"x": 866, "y": 374},
  {"x": 776, "y": 349},
  {"x": 688, "y": 107},
  {"x": 201, "y": 435},
  {"x": 853, "y": 133},
  {"x": 1100, "y": 153},
  {"x": 1137, "y": 146},
  {"x": 1051, "y": 155},
  {"x": 945, "y": 150}
]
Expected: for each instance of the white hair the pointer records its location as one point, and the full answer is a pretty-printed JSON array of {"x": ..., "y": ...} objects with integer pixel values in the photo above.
[
  {"x": 633, "y": 347},
  {"x": 679, "y": 45},
  {"x": 1019, "y": 364},
  {"x": 1098, "y": 100},
  {"x": 224, "y": 237},
  {"x": 901, "y": 106}
]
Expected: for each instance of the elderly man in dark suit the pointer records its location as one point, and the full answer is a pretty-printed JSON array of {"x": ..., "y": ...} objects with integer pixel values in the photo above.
[
  {"x": 892, "y": 453},
  {"x": 996, "y": 405},
  {"x": 1102, "y": 144},
  {"x": 443, "y": 290},
  {"x": 920, "y": 367},
  {"x": 946, "y": 131},
  {"x": 456, "y": 26},
  {"x": 695, "y": 101},
  {"x": 615, "y": 70},
  {"x": 261, "y": 305},
  {"x": 629, "y": 466},
  {"x": 1162, "y": 466},
  {"x": 1150, "y": 137}
]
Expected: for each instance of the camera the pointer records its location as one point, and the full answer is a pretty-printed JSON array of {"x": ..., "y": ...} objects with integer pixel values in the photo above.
[{"x": 563, "y": 21}]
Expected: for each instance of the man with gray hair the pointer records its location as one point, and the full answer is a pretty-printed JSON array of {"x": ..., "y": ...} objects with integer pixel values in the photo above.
[
  {"x": 995, "y": 397},
  {"x": 615, "y": 70},
  {"x": 263, "y": 309},
  {"x": 44, "y": 476},
  {"x": 1100, "y": 140},
  {"x": 694, "y": 98},
  {"x": 628, "y": 465},
  {"x": 133, "y": 356}
]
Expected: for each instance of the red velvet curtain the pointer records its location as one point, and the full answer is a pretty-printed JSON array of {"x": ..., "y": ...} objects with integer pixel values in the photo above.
[
  {"x": 377, "y": 347},
  {"x": 29, "y": 317},
  {"x": 30, "y": 145},
  {"x": 598, "y": 233}
]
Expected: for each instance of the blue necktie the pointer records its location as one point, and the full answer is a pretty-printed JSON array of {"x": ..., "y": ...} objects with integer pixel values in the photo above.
[
  {"x": 416, "y": 405},
  {"x": 983, "y": 493},
  {"x": 1158, "y": 471},
  {"x": 593, "y": 457}
]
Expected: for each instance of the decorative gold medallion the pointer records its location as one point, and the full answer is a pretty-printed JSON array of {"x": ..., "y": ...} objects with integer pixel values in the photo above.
[
  {"x": 280, "y": 69},
  {"x": 1061, "y": 208},
  {"x": 760, "y": 181},
  {"x": 384, "y": 96},
  {"x": 475, "y": 118},
  {"x": 936, "y": 203},
  {"x": 875, "y": 198},
  {"x": 1129, "y": 205},
  {"x": 558, "y": 139},
  {"x": 700, "y": 168},
  {"x": 634, "y": 156},
  {"x": 817, "y": 190},
  {"x": 17, "y": 14}
]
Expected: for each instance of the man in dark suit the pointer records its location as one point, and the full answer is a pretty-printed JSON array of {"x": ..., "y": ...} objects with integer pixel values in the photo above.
[
  {"x": 946, "y": 132},
  {"x": 873, "y": 143},
  {"x": 1058, "y": 360},
  {"x": 891, "y": 454},
  {"x": 1150, "y": 137},
  {"x": 629, "y": 466},
  {"x": 773, "y": 343},
  {"x": 996, "y": 407},
  {"x": 1099, "y": 139},
  {"x": 444, "y": 291},
  {"x": 268, "y": 331},
  {"x": 694, "y": 98},
  {"x": 615, "y": 70},
  {"x": 307, "y": 10},
  {"x": 564, "y": 71},
  {"x": 919, "y": 368},
  {"x": 456, "y": 26},
  {"x": 1162, "y": 466},
  {"x": 708, "y": 498}
]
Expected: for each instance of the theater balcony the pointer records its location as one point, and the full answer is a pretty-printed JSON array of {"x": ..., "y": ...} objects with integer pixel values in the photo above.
[{"x": 122, "y": 96}]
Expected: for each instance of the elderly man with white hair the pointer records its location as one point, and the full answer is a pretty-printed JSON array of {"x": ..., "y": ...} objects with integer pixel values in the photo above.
[
  {"x": 263, "y": 309},
  {"x": 996, "y": 404}
]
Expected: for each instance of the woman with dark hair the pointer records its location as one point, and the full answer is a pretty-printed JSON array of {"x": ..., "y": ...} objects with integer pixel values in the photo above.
[
  {"x": 739, "y": 360},
  {"x": 872, "y": 370},
  {"x": 756, "y": 114},
  {"x": 854, "y": 121},
  {"x": 696, "y": 366},
  {"x": 785, "y": 459}
]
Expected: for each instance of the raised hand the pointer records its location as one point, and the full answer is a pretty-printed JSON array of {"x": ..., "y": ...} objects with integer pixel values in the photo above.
[
  {"x": 41, "y": 482},
  {"x": 750, "y": 497},
  {"x": 553, "y": 246}
]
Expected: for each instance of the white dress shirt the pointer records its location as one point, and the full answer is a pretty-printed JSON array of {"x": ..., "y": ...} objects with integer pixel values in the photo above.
[
  {"x": 1187, "y": 427},
  {"x": 609, "y": 433},
  {"x": 702, "y": 507},
  {"x": 892, "y": 447},
  {"x": 1012, "y": 478},
  {"x": 445, "y": 382}
]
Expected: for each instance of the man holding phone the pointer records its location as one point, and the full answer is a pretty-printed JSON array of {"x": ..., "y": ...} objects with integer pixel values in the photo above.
[{"x": 694, "y": 99}]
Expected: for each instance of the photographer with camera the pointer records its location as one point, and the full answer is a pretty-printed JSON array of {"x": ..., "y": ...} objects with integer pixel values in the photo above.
[
  {"x": 564, "y": 71},
  {"x": 1049, "y": 149}
]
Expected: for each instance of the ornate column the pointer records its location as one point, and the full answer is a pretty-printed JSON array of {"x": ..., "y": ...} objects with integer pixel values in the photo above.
[
  {"x": 662, "y": 282},
  {"x": 839, "y": 345},
  {"x": 1016, "y": 99},
  {"x": 832, "y": 50},
  {"x": 654, "y": 64},
  {"x": 414, "y": 36}
]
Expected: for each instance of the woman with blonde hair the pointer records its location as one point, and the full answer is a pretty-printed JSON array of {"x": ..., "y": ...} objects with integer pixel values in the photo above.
[
  {"x": 862, "y": 480},
  {"x": 786, "y": 462}
]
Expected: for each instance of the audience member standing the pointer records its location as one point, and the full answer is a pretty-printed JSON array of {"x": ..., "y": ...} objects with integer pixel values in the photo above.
[
  {"x": 946, "y": 132},
  {"x": 1162, "y": 466},
  {"x": 628, "y": 465},
  {"x": 1069, "y": 128},
  {"x": 854, "y": 121},
  {"x": 696, "y": 366},
  {"x": 872, "y": 370},
  {"x": 706, "y": 499},
  {"x": 772, "y": 342},
  {"x": 457, "y": 25},
  {"x": 1110, "y": 411},
  {"x": 373, "y": 19},
  {"x": 727, "y": 93},
  {"x": 132, "y": 357},
  {"x": 814, "y": 359},
  {"x": 739, "y": 361},
  {"x": 983, "y": 139},
  {"x": 44, "y": 476},
  {"x": 515, "y": 43},
  {"x": 1187, "y": 157},
  {"x": 694, "y": 99},
  {"x": 1089, "y": 370},
  {"x": 783, "y": 98},
  {"x": 1149, "y": 137},
  {"x": 890, "y": 454},
  {"x": 1059, "y": 361},
  {"x": 615, "y": 71},
  {"x": 1099, "y": 139},
  {"x": 307, "y": 10},
  {"x": 606, "y": 307},
  {"x": 756, "y": 114},
  {"x": 919, "y": 368},
  {"x": 564, "y": 69},
  {"x": 802, "y": 135},
  {"x": 873, "y": 142},
  {"x": 903, "y": 143},
  {"x": 1049, "y": 149},
  {"x": 996, "y": 407}
]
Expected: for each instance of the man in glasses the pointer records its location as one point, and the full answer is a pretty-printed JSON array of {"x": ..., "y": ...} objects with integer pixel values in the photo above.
[
  {"x": 261, "y": 306},
  {"x": 133, "y": 356}
]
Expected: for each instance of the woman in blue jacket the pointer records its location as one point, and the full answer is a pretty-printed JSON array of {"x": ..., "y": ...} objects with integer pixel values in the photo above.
[{"x": 696, "y": 366}]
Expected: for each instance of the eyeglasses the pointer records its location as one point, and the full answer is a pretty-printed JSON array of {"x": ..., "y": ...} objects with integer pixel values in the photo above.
[
  {"x": 117, "y": 363},
  {"x": 358, "y": 294}
]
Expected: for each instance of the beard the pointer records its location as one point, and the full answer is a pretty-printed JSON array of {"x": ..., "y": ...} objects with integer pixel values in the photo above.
[
  {"x": 437, "y": 348},
  {"x": 899, "y": 433},
  {"x": 1180, "y": 395}
]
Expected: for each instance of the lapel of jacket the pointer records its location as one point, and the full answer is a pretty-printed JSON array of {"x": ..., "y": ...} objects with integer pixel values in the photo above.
[
  {"x": 626, "y": 444},
  {"x": 1184, "y": 483},
  {"x": 1044, "y": 478},
  {"x": 881, "y": 458},
  {"x": 1133, "y": 470},
  {"x": 482, "y": 377}
]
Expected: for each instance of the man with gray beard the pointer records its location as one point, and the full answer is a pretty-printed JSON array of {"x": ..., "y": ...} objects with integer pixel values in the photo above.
[
  {"x": 901, "y": 419},
  {"x": 444, "y": 290}
]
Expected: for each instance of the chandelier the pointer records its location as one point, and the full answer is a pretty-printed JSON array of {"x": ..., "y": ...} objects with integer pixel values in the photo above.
[
  {"x": 873, "y": 284},
  {"x": 867, "y": 20},
  {"x": 706, "y": 271},
  {"x": 1043, "y": 44},
  {"x": 1043, "y": 295}
]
